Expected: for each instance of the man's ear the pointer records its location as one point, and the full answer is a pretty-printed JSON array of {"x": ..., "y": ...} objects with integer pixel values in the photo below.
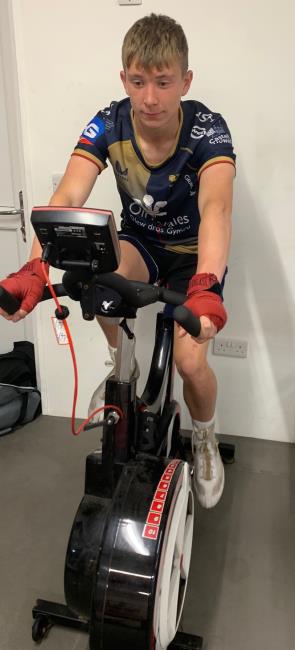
[
  {"x": 187, "y": 80},
  {"x": 123, "y": 79}
]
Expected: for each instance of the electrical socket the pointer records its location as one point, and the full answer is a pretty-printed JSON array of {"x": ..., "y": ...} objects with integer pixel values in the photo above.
[
  {"x": 56, "y": 178},
  {"x": 230, "y": 348}
]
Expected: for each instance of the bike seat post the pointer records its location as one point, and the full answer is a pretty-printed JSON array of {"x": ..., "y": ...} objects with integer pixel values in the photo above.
[
  {"x": 119, "y": 439},
  {"x": 125, "y": 351}
]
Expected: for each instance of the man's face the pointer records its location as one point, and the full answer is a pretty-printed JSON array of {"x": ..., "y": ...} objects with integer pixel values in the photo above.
[{"x": 155, "y": 94}]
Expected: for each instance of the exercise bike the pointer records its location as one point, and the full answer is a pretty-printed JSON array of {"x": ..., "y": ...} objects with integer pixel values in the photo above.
[{"x": 128, "y": 555}]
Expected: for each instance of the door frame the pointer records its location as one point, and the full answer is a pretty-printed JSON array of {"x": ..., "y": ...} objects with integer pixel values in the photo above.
[
  {"x": 10, "y": 44},
  {"x": 12, "y": 99}
]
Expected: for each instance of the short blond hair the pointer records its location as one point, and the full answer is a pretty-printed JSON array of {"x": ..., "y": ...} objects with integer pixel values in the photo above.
[{"x": 155, "y": 41}]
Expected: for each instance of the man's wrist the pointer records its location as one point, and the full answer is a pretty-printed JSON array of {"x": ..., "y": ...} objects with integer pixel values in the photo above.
[
  {"x": 204, "y": 282},
  {"x": 35, "y": 268}
]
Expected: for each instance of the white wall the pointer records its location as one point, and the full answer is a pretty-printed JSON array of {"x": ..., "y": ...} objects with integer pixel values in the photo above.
[{"x": 242, "y": 55}]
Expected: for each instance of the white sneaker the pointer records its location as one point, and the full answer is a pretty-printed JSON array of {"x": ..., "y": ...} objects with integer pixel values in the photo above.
[
  {"x": 98, "y": 397},
  {"x": 208, "y": 467}
]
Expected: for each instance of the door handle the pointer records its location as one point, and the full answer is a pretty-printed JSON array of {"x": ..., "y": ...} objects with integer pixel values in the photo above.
[
  {"x": 12, "y": 211},
  {"x": 20, "y": 211}
]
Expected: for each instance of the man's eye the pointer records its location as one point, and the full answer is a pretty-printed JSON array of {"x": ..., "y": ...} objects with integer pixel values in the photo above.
[
  {"x": 137, "y": 83},
  {"x": 163, "y": 84}
]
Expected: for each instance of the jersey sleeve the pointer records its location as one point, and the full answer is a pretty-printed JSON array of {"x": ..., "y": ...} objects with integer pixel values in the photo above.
[
  {"x": 214, "y": 144},
  {"x": 92, "y": 143}
]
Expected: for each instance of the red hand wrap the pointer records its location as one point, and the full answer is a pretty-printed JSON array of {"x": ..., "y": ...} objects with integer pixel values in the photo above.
[
  {"x": 27, "y": 285},
  {"x": 203, "y": 302},
  {"x": 202, "y": 282}
]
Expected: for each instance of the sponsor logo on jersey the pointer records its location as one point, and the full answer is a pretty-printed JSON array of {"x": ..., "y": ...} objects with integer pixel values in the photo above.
[
  {"x": 221, "y": 139},
  {"x": 204, "y": 117},
  {"x": 109, "y": 124},
  {"x": 176, "y": 226},
  {"x": 85, "y": 141},
  {"x": 188, "y": 179},
  {"x": 107, "y": 111},
  {"x": 94, "y": 128},
  {"x": 122, "y": 173},
  {"x": 147, "y": 206},
  {"x": 173, "y": 178},
  {"x": 220, "y": 135},
  {"x": 198, "y": 132}
]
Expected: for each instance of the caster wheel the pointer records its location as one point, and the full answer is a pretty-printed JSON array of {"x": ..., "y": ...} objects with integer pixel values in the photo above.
[{"x": 40, "y": 626}]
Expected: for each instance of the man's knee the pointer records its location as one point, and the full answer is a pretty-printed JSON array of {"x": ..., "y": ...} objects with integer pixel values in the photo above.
[{"x": 191, "y": 359}]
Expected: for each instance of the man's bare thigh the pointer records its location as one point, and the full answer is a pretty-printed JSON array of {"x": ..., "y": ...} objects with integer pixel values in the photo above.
[{"x": 132, "y": 264}]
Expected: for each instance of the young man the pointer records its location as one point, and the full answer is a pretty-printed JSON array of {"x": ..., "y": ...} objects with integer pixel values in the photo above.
[{"x": 174, "y": 166}]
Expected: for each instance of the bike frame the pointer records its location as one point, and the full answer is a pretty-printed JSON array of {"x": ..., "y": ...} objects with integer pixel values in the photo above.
[{"x": 145, "y": 428}]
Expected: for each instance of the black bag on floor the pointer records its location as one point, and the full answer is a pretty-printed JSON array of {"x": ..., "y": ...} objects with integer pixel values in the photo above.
[{"x": 20, "y": 400}]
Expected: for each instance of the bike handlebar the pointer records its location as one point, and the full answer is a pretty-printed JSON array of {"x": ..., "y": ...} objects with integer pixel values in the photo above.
[
  {"x": 8, "y": 302},
  {"x": 135, "y": 294}
]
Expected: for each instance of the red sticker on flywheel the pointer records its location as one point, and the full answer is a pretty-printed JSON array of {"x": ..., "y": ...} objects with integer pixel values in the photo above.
[
  {"x": 167, "y": 477},
  {"x": 160, "y": 495},
  {"x": 157, "y": 506},
  {"x": 170, "y": 470},
  {"x": 150, "y": 532},
  {"x": 154, "y": 518}
]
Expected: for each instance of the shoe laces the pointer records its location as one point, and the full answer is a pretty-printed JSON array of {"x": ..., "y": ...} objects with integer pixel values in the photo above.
[{"x": 204, "y": 448}]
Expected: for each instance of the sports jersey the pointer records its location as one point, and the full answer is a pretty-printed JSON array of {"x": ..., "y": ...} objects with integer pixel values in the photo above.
[{"x": 159, "y": 201}]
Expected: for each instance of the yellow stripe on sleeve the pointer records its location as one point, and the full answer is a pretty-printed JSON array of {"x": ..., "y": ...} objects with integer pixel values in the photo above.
[
  {"x": 89, "y": 156},
  {"x": 216, "y": 161}
]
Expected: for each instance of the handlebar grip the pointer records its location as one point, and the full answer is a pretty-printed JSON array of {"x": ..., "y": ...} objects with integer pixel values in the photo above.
[
  {"x": 59, "y": 291},
  {"x": 8, "y": 302},
  {"x": 187, "y": 320},
  {"x": 120, "y": 284}
]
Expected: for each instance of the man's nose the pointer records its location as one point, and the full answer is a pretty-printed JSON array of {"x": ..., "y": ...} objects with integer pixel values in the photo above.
[{"x": 150, "y": 96}]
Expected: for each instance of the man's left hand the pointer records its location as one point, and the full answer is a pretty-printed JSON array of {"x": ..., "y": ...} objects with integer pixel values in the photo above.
[{"x": 205, "y": 304}]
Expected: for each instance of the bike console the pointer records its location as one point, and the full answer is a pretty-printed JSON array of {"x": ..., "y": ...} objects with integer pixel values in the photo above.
[{"x": 77, "y": 238}]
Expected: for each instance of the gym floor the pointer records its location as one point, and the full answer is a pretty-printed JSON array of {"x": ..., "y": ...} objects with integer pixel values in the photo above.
[{"x": 241, "y": 592}]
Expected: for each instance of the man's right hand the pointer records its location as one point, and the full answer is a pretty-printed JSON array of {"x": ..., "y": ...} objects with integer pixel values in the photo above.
[{"x": 27, "y": 286}]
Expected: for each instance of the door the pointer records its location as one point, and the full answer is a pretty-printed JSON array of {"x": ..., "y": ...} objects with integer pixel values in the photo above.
[{"x": 13, "y": 244}]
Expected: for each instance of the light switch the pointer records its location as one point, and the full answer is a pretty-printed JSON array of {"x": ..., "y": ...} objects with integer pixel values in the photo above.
[{"x": 130, "y": 2}]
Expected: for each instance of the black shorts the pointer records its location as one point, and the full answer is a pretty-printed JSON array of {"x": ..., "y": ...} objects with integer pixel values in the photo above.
[{"x": 174, "y": 270}]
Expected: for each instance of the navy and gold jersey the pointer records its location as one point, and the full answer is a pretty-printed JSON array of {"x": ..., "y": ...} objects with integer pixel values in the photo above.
[{"x": 159, "y": 201}]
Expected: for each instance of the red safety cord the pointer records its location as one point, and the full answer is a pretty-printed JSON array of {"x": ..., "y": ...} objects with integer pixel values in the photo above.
[{"x": 68, "y": 333}]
